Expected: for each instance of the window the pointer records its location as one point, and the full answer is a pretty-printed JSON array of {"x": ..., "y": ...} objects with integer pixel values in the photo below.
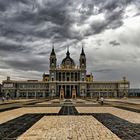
[
  {"x": 83, "y": 61},
  {"x": 68, "y": 79}
]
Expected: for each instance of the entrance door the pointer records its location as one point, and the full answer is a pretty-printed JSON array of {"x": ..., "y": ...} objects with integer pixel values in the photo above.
[{"x": 67, "y": 94}]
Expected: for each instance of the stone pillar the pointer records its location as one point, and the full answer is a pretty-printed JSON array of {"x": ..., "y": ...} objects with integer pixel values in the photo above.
[
  {"x": 115, "y": 94},
  {"x": 17, "y": 94},
  {"x": 35, "y": 94},
  {"x": 65, "y": 90},
  {"x": 99, "y": 94},
  {"x": 44, "y": 94},
  {"x": 61, "y": 77},
  {"x": 27, "y": 94},
  {"x": 70, "y": 90},
  {"x": 108, "y": 94}
]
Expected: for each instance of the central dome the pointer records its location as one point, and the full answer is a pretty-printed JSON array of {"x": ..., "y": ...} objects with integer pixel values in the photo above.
[{"x": 68, "y": 62}]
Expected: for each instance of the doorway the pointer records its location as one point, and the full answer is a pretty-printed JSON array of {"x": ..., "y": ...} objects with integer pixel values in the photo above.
[{"x": 68, "y": 92}]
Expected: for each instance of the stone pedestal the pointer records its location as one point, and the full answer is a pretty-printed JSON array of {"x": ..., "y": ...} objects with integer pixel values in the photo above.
[
  {"x": 73, "y": 93},
  {"x": 61, "y": 93}
]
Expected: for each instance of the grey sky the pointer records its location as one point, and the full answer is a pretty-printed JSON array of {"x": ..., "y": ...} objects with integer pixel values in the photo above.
[{"x": 109, "y": 30}]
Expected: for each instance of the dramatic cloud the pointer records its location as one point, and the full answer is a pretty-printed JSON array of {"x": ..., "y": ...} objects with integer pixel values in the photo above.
[
  {"x": 114, "y": 43},
  {"x": 109, "y": 30}
]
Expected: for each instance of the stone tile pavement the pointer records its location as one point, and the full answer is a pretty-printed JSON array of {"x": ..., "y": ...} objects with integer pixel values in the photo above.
[
  {"x": 9, "y": 115},
  {"x": 15, "y": 101},
  {"x": 124, "y": 114},
  {"x": 68, "y": 128},
  {"x": 125, "y": 100},
  {"x": 79, "y": 127}
]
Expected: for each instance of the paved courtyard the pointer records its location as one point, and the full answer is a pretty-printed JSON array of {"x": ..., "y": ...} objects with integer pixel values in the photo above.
[
  {"x": 68, "y": 127},
  {"x": 69, "y": 120}
]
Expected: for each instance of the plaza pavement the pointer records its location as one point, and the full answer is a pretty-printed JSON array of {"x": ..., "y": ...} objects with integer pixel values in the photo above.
[
  {"x": 12, "y": 114},
  {"x": 90, "y": 123},
  {"x": 126, "y": 100},
  {"x": 124, "y": 114},
  {"x": 10, "y": 101},
  {"x": 68, "y": 127}
]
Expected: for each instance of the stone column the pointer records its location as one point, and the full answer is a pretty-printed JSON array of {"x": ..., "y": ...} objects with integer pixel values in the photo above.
[
  {"x": 70, "y": 90},
  {"x": 65, "y": 90},
  {"x": 44, "y": 94},
  {"x": 27, "y": 94},
  {"x": 61, "y": 77},
  {"x": 58, "y": 75},
  {"x": 35, "y": 94},
  {"x": 99, "y": 93},
  {"x": 17, "y": 94},
  {"x": 107, "y": 94}
]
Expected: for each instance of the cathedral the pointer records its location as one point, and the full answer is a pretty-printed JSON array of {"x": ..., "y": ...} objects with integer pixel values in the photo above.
[
  {"x": 65, "y": 80},
  {"x": 68, "y": 76}
]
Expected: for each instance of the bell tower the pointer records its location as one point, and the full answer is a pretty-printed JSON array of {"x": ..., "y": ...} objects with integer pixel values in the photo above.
[
  {"x": 53, "y": 59},
  {"x": 82, "y": 59}
]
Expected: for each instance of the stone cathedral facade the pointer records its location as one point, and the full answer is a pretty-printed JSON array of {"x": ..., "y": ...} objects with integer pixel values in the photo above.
[{"x": 66, "y": 78}]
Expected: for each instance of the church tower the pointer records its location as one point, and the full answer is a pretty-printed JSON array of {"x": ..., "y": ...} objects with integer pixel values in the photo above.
[
  {"x": 53, "y": 59},
  {"x": 82, "y": 59}
]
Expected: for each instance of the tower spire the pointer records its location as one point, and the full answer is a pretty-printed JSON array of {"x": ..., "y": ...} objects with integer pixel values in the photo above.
[
  {"x": 82, "y": 52},
  {"x": 53, "y": 52},
  {"x": 68, "y": 53}
]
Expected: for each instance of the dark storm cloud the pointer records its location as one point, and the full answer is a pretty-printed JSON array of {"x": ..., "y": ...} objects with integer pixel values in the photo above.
[
  {"x": 30, "y": 27},
  {"x": 113, "y": 12},
  {"x": 57, "y": 17},
  {"x": 33, "y": 15},
  {"x": 11, "y": 48},
  {"x": 114, "y": 43},
  {"x": 27, "y": 65},
  {"x": 2, "y": 7}
]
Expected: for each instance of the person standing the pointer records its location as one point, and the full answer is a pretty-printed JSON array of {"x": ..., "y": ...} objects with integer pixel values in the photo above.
[
  {"x": 102, "y": 100},
  {"x": 3, "y": 98}
]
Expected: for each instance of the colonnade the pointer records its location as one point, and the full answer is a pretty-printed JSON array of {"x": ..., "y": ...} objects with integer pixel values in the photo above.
[
  {"x": 103, "y": 93},
  {"x": 68, "y": 76},
  {"x": 32, "y": 94}
]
